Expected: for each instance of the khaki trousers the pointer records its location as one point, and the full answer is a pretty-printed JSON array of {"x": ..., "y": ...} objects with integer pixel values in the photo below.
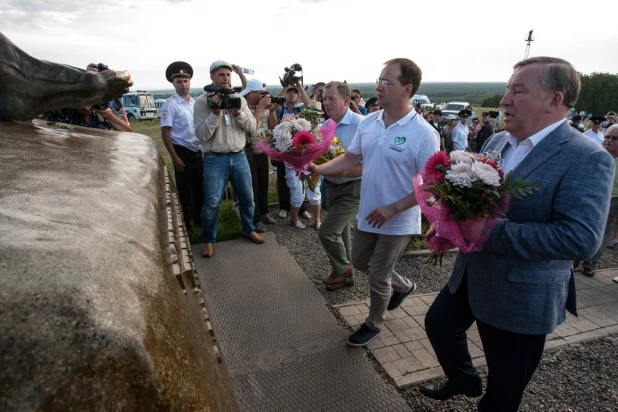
[
  {"x": 342, "y": 203},
  {"x": 377, "y": 254}
]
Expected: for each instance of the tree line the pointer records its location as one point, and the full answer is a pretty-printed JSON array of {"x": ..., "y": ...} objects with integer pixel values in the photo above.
[{"x": 598, "y": 95}]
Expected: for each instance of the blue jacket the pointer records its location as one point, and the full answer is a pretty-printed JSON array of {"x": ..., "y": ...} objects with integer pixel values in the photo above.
[{"x": 523, "y": 279}]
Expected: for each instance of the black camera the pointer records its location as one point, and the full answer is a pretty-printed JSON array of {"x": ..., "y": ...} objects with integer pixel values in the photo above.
[
  {"x": 290, "y": 78},
  {"x": 280, "y": 100},
  {"x": 227, "y": 102}
]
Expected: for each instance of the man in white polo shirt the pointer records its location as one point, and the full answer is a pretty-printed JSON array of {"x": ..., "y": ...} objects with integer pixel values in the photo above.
[
  {"x": 459, "y": 138},
  {"x": 394, "y": 144}
]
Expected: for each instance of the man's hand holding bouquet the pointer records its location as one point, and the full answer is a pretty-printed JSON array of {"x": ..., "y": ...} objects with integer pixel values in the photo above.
[
  {"x": 463, "y": 195},
  {"x": 298, "y": 141}
]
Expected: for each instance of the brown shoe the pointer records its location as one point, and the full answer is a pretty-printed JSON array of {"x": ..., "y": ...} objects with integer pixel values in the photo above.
[
  {"x": 349, "y": 281},
  {"x": 255, "y": 237},
  {"x": 208, "y": 250},
  {"x": 588, "y": 272},
  {"x": 331, "y": 279}
]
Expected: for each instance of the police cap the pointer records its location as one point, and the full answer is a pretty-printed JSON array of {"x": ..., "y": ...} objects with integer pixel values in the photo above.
[
  {"x": 178, "y": 69},
  {"x": 597, "y": 119},
  {"x": 464, "y": 113}
]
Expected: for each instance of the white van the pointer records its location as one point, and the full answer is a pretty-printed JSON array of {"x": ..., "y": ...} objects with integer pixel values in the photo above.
[
  {"x": 422, "y": 100},
  {"x": 158, "y": 104},
  {"x": 139, "y": 105}
]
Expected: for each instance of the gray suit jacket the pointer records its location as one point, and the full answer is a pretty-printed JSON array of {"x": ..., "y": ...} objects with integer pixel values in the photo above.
[{"x": 520, "y": 282}]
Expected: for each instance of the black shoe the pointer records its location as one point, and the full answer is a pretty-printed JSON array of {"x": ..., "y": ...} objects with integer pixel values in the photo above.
[
  {"x": 363, "y": 336},
  {"x": 397, "y": 298},
  {"x": 444, "y": 389}
]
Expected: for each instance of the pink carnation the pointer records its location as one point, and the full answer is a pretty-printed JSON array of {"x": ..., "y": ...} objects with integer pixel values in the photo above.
[
  {"x": 437, "y": 159},
  {"x": 302, "y": 138}
]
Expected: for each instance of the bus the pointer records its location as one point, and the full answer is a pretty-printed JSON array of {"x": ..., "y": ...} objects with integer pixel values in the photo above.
[{"x": 139, "y": 105}]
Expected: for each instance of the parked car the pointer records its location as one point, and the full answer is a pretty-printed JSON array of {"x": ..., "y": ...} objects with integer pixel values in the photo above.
[
  {"x": 453, "y": 108},
  {"x": 422, "y": 100}
]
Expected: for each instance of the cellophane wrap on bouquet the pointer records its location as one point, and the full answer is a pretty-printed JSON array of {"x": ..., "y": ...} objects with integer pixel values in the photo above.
[
  {"x": 297, "y": 142},
  {"x": 463, "y": 196}
]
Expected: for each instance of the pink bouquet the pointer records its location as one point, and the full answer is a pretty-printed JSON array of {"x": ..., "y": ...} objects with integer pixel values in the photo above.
[
  {"x": 297, "y": 141},
  {"x": 463, "y": 196}
]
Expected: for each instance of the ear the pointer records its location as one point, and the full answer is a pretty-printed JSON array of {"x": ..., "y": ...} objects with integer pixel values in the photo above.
[
  {"x": 556, "y": 102},
  {"x": 212, "y": 77}
]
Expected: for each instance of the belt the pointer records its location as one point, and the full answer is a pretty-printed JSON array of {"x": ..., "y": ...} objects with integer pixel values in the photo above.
[
  {"x": 226, "y": 153},
  {"x": 342, "y": 184}
]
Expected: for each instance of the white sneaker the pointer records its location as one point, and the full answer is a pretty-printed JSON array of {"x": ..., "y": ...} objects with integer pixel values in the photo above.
[
  {"x": 306, "y": 215},
  {"x": 616, "y": 279},
  {"x": 283, "y": 214}
]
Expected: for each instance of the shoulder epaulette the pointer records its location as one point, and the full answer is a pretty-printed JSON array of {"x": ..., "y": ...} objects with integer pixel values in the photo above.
[{"x": 171, "y": 98}]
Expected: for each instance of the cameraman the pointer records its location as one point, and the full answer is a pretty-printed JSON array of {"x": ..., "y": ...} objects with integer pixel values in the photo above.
[
  {"x": 265, "y": 113},
  {"x": 89, "y": 117},
  {"x": 222, "y": 133},
  {"x": 292, "y": 94}
]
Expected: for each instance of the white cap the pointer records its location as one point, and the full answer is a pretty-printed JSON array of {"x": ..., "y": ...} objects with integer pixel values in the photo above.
[
  {"x": 452, "y": 117},
  {"x": 253, "y": 85},
  {"x": 220, "y": 63}
]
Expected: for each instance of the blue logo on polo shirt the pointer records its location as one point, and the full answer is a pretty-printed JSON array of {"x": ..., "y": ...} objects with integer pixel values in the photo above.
[{"x": 397, "y": 142}]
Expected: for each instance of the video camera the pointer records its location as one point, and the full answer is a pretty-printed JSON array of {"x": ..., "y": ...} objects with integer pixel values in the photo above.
[
  {"x": 280, "y": 100},
  {"x": 227, "y": 101},
  {"x": 290, "y": 78}
]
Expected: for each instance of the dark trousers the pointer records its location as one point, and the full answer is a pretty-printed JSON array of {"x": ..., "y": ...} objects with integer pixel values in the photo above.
[
  {"x": 189, "y": 185},
  {"x": 259, "y": 174},
  {"x": 282, "y": 187},
  {"x": 511, "y": 357}
]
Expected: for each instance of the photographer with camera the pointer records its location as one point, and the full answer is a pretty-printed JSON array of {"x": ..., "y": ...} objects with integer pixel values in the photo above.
[
  {"x": 98, "y": 116},
  {"x": 222, "y": 119},
  {"x": 264, "y": 108}
]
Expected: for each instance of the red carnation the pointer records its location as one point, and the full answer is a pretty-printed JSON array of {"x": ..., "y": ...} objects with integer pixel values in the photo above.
[
  {"x": 432, "y": 173},
  {"x": 302, "y": 138}
]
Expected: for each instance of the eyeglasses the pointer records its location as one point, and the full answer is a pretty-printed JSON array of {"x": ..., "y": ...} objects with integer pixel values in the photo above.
[
  {"x": 384, "y": 82},
  {"x": 613, "y": 138}
]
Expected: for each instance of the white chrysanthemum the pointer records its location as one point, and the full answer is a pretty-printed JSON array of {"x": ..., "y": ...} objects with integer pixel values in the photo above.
[
  {"x": 461, "y": 156},
  {"x": 304, "y": 124},
  {"x": 486, "y": 174},
  {"x": 461, "y": 174},
  {"x": 282, "y": 137}
]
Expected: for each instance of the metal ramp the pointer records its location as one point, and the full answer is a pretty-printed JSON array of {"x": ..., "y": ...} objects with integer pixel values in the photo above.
[{"x": 284, "y": 349}]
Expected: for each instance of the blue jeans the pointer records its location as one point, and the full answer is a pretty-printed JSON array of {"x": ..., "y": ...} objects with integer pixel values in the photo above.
[{"x": 218, "y": 169}]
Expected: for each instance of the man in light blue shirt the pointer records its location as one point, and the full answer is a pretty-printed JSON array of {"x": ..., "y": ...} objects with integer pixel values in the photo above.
[
  {"x": 343, "y": 190},
  {"x": 459, "y": 138}
]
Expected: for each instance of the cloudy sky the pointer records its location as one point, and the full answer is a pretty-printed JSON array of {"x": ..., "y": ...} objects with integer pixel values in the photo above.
[{"x": 332, "y": 39}]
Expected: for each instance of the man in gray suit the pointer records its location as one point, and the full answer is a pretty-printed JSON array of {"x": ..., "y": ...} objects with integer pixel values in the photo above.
[{"x": 518, "y": 288}]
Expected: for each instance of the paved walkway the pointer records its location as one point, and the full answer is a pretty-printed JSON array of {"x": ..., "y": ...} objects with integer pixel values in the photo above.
[{"x": 406, "y": 355}]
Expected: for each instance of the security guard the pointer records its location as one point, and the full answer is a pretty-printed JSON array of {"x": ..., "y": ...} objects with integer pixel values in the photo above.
[
  {"x": 178, "y": 134},
  {"x": 596, "y": 130}
]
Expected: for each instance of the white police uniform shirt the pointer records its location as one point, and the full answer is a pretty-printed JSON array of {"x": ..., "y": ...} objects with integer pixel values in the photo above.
[
  {"x": 460, "y": 136},
  {"x": 178, "y": 114},
  {"x": 392, "y": 157},
  {"x": 597, "y": 137}
]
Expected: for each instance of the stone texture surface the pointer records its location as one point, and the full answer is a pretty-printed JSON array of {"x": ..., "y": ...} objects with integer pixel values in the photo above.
[{"x": 91, "y": 314}]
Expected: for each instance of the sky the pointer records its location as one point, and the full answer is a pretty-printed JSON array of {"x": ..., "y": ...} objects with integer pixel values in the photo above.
[{"x": 451, "y": 41}]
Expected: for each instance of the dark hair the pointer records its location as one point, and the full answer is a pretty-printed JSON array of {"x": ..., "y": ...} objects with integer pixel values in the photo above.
[
  {"x": 410, "y": 73},
  {"x": 559, "y": 76}
]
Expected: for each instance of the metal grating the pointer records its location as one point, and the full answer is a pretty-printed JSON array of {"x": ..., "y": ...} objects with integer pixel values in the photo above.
[{"x": 284, "y": 349}]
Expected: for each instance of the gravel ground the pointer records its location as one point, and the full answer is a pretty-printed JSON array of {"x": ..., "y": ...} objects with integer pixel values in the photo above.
[
  {"x": 578, "y": 377},
  {"x": 304, "y": 245}
]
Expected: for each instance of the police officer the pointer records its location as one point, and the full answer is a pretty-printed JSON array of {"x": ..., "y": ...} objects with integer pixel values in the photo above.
[
  {"x": 486, "y": 131},
  {"x": 178, "y": 134}
]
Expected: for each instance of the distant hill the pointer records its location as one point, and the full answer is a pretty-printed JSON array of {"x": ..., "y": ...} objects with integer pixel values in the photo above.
[{"x": 474, "y": 93}]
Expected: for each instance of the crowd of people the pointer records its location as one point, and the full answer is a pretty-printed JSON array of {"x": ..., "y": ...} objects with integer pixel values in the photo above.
[{"x": 517, "y": 289}]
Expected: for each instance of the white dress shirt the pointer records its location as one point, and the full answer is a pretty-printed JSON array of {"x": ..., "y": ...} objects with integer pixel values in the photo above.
[
  {"x": 597, "y": 137},
  {"x": 516, "y": 152}
]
